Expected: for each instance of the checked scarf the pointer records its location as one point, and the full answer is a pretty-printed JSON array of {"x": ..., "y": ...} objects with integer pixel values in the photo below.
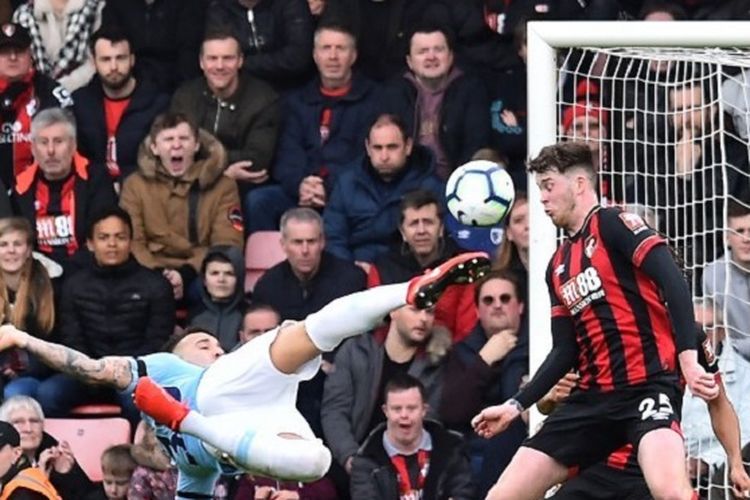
[{"x": 75, "y": 49}]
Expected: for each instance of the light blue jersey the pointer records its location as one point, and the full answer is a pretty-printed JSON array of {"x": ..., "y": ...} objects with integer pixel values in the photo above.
[{"x": 198, "y": 469}]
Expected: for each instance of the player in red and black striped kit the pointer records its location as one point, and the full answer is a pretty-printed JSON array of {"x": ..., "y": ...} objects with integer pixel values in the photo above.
[
  {"x": 619, "y": 477},
  {"x": 622, "y": 317}
]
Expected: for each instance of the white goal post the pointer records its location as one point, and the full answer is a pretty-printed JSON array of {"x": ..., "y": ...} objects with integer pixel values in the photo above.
[{"x": 710, "y": 43}]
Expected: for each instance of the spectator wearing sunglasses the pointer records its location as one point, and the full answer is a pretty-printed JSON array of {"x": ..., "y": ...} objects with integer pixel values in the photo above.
[{"x": 488, "y": 367}]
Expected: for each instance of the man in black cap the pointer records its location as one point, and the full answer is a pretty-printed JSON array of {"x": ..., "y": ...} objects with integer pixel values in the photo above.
[
  {"x": 18, "y": 479},
  {"x": 23, "y": 92}
]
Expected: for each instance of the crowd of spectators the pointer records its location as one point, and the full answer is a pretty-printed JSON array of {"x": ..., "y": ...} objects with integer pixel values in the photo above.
[{"x": 142, "y": 141}]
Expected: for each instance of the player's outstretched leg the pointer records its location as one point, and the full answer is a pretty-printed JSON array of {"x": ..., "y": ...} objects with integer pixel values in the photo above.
[
  {"x": 263, "y": 453},
  {"x": 359, "y": 312}
]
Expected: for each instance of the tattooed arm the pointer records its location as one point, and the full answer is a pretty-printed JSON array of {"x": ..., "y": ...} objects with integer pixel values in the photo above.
[{"x": 112, "y": 370}]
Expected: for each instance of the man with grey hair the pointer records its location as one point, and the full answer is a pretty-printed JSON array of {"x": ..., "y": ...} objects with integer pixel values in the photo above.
[
  {"x": 325, "y": 124},
  {"x": 302, "y": 284},
  {"x": 61, "y": 189}
]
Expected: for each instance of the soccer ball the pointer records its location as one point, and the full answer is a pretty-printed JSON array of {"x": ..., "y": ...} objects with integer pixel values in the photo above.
[{"x": 479, "y": 193}]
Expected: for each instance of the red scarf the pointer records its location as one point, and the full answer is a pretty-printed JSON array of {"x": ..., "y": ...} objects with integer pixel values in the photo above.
[
  {"x": 405, "y": 489},
  {"x": 22, "y": 156}
]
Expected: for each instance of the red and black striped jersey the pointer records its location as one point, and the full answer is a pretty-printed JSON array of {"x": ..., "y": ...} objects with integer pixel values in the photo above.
[
  {"x": 623, "y": 331},
  {"x": 625, "y": 458}
]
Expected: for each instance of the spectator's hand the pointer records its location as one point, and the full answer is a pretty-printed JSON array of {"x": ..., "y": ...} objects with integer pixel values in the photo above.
[
  {"x": 240, "y": 171},
  {"x": 564, "y": 387},
  {"x": 740, "y": 481},
  {"x": 687, "y": 153},
  {"x": 700, "y": 383},
  {"x": 65, "y": 460},
  {"x": 697, "y": 468},
  {"x": 174, "y": 278},
  {"x": 312, "y": 192},
  {"x": 11, "y": 337},
  {"x": 327, "y": 367},
  {"x": 348, "y": 465},
  {"x": 494, "y": 419},
  {"x": 285, "y": 495},
  {"x": 509, "y": 118},
  {"x": 263, "y": 492},
  {"x": 498, "y": 346},
  {"x": 365, "y": 266},
  {"x": 9, "y": 373},
  {"x": 316, "y": 6},
  {"x": 558, "y": 393},
  {"x": 47, "y": 459}
]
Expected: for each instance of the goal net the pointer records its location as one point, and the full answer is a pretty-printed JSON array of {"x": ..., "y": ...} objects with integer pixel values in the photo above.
[{"x": 667, "y": 119}]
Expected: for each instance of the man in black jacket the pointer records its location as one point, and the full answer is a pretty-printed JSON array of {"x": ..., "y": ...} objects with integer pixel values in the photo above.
[
  {"x": 23, "y": 93},
  {"x": 241, "y": 110},
  {"x": 444, "y": 108},
  {"x": 115, "y": 110},
  {"x": 114, "y": 307},
  {"x": 302, "y": 284},
  {"x": 408, "y": 456}
]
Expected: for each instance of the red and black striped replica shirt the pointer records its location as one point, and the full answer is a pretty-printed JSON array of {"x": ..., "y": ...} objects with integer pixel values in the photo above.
[{"x": 623, "y": 330}]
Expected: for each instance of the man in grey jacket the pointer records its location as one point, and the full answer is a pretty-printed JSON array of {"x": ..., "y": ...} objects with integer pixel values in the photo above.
[
  {"x": 353, "y": 392},
  {"x": 726, "y": 281}
]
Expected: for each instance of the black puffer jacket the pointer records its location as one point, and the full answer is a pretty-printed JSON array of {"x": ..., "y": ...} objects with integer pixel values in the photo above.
[
  {"x": 125, "y": 310},
  {"x": 374, "y": 477}
]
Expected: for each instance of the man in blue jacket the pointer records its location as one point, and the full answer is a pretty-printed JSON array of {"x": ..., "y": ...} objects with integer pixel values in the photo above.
[
  {"x": 363, "y": 213},
  {"x": 325, "y": 124}
]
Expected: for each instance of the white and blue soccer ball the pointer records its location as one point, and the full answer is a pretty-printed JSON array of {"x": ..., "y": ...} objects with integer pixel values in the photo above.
[{"x": 479, "y": 193}]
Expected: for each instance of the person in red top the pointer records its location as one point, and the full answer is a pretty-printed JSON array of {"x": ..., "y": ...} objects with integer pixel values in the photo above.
[
  {"x": 622, "y": 316},
  {"x": 619, "y": 477},
  {"x": 61, "y": 190},
  {"x": 115, "y": 109},
  {"x": 424, "y": 246},
  {"x": 23, "y": 93}
]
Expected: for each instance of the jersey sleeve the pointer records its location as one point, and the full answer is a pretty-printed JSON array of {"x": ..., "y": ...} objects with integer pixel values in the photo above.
[
  {"x": 706, "y": 355},
  {"x": 558, "y": 309},
  {"x": 165, "y": 369},
  {"x": 628, "y": 234}
]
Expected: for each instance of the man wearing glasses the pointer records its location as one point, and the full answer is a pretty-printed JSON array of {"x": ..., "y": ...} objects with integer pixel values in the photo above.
[{"x": 486, "y": 368}]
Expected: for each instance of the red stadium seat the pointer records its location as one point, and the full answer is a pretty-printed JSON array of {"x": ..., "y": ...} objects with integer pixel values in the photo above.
[
  {"x": 96, "y": 410},
  {"x": 262, "y": 251},
  {"x": 88, "y": 438}
]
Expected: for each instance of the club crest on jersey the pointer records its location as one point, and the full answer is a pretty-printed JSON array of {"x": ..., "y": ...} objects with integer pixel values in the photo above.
[
  {"x": 581, "y": 290},
  {"x": 634, "y": 222},
  {"x": 559, "y": 269},
  {"x": 590, "y": 246}
]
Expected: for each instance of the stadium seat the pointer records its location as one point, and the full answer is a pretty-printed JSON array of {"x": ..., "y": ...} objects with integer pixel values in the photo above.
[
  {"x": 96, "y": 410},
  {"x": 88, "y": 438},
  {"x": 262, "y": 251}
]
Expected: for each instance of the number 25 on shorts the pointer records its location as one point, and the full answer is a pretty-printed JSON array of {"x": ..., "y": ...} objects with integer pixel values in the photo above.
[{"x": 650, "y": 410}]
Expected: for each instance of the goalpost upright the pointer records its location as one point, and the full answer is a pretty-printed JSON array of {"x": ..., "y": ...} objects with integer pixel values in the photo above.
[{"x": 544, "y": 38}]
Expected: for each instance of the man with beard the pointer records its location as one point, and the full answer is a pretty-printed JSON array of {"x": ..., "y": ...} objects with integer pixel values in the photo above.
[
  {"x": 23, "y": 93},
  {"x": 115, "y": 110}
]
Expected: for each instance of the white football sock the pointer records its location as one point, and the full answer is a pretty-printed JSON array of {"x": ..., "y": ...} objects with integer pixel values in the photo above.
[{"x": 353, "y": 314}]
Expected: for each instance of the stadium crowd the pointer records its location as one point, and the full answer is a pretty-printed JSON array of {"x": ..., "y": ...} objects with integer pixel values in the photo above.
[{"x": 143, "y": 141}]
